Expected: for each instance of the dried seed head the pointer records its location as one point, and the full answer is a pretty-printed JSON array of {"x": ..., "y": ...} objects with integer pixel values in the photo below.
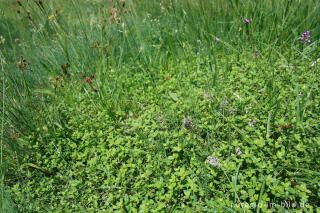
[
  {"x": 18, "y": 11},
  {"x": 16, "y": 40},
  {"x": 187, "y": 123},
  {"x": 19, "y": 3},
  {"x": 28, "y": 12}
]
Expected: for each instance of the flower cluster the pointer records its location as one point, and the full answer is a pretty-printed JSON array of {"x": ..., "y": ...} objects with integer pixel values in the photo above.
[
  {"x": 89, "y": 79},
  {"x": 213, "y": 161},
  {"x": 23, "y": 64},
  {"x": 65, "y": 70},
  {"x": 305, "y": 37},
  {"x": 116, "y": 12},
  {"x": 56, "y": 16},
  {"x": 58, "y": 82}
]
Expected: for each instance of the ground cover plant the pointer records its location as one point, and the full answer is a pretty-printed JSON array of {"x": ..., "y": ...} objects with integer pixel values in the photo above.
[{"x": 160, "y": 106}]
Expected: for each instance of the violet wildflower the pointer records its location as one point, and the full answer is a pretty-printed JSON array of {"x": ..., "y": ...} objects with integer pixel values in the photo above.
[
  {"x": 246, "y": 21},
  {"x": 255, "y": 54},
  {"x": 305, "y": 37},
  {"x": 217, "y": 40}
]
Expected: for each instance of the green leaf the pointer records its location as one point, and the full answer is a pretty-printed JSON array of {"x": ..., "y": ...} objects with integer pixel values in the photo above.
[
  {"x": 44, "y": 92},
  {"x": 173, "y": 96}
]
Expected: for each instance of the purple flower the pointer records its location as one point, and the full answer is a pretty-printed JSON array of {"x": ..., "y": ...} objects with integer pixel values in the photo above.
[
  {"x": 246, "y": 21},
  {"x": 217, "y": 40},
  {"x": 305, "y": 37},
  {"x": 255, "y": 54}
]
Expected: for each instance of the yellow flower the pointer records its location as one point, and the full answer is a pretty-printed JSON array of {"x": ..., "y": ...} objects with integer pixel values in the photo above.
[{"x": 50, "y": 17}]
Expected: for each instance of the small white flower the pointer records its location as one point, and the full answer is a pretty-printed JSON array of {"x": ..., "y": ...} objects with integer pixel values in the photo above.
[
  {"x": 238, "y": 151},
  {"x": 208, "y": 97},
  {"x": 231, "y": 110},
  {"x": 2, "y": 39},
  {"x": 314, "y": 63},
  {"x": 213, "y": 161},
  {"x": 224, "y": 103},
  {"x": 252, "y": 123},
  {"x": 238, "y": 96}
]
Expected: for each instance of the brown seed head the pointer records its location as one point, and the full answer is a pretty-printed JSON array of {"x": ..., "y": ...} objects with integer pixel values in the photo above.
[
  {"x": 19, "y": 3},
  {"x": 16, "y": 40}
]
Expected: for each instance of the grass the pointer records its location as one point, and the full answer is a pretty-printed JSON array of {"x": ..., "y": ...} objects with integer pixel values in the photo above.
[{"x": 136, "y": 106}]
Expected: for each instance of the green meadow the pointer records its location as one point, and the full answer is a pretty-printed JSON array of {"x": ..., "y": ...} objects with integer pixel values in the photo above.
[{"x": 160, "y": 106}]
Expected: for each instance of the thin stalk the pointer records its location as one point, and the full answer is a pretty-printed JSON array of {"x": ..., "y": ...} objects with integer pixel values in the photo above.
[{"x": 1, "y": 147}]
